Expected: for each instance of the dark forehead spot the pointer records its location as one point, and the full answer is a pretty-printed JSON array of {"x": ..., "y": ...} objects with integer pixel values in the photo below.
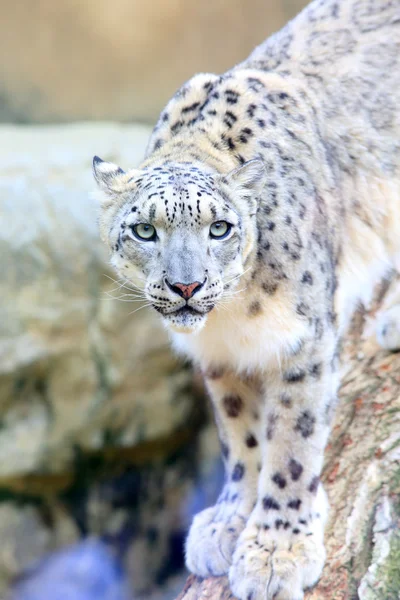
[
  {"x": 152, "y": 211},
  {"x": 213, "y": 211}
]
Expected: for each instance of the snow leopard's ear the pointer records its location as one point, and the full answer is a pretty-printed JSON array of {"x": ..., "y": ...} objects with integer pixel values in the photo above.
[
  {"x": 106, "y": 174},
  {"x": 246, "y": 183},
  {"x": 250, "y": 177}
]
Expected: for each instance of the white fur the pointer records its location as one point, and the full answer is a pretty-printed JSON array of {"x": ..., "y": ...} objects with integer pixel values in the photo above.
[{"x": 230, "y": 339}]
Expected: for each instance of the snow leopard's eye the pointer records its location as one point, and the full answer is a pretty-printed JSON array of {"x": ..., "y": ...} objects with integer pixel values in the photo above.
[
  {"x": 220, "y": 230},
  {"x": 144, "y": 232}
]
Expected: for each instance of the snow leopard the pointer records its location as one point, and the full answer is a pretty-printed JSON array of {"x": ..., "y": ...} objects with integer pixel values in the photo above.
[{"x": 265, "y": 212}]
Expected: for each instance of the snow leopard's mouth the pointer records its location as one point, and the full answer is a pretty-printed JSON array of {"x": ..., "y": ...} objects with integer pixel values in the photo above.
[
  {"x": 187, "y": 310},
  {"x": 186, "y": 319}
]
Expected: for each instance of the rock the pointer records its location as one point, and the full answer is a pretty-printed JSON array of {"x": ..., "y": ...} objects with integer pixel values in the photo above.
[{"x": 25, "y": 537}]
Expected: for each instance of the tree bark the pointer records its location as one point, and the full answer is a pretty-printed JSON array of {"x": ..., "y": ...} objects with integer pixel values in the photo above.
[{"x": 361, "y": 476}]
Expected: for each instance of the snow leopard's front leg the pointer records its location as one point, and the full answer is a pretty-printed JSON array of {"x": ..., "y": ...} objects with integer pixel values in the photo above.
[
  {"x": 281, "y": 552},
  {"x": 214, "y": 532}
]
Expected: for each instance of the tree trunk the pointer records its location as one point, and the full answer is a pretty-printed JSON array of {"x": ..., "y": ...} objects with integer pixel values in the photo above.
[{"x": 362, "y": 478}]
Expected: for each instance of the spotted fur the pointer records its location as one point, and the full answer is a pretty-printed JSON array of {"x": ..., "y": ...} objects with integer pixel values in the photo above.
[{"x": 298, "y": 149}]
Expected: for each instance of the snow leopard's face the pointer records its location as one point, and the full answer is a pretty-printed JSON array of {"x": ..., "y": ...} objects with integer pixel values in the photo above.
[{"x": 179, "y": 233}]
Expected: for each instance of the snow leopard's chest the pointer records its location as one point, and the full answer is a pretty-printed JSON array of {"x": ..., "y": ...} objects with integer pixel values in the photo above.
[{"x": 243, "y": 339}]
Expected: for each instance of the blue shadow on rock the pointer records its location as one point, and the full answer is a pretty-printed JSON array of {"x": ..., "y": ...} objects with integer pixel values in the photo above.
[{"x": 85, "y": 571}]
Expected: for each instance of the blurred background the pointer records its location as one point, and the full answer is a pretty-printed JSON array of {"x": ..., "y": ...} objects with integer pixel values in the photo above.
[
  {"x": 106, "y": 444},
  {"x": 69, "y": 60}
]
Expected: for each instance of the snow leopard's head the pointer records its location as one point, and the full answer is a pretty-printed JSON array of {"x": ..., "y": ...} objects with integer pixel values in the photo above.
[{"x": 180, "y": 233}]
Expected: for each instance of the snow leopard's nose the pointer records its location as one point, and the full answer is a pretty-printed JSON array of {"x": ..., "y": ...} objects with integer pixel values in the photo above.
[{"x": 185, "y": 290}]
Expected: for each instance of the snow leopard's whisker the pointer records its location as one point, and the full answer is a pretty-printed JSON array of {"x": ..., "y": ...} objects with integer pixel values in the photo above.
[
  {"x": 230, "y": 296},
  {"x": 140, "y": 308},
  {"x": 121, "y": 299},
  {"x": 237, "y": 276},
  {"x": 124, "y": 284},
  {"x": 124, "y": 280},
  {"x": 134, "y": 294},
  {"x": 124, "y": 295},
  {"x": 128, "y": 291},
  {"x": 236, "y": 292}
]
